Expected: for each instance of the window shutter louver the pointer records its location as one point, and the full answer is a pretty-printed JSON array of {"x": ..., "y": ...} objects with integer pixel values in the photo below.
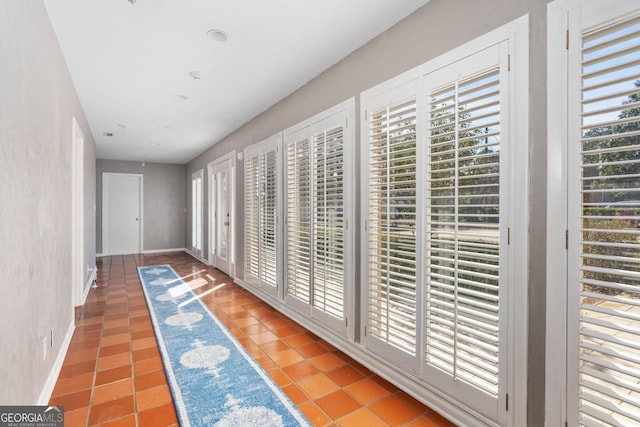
[
  {"x": 316, "y": 217},
  {"x": 261, "y": 214},
  {"x": 298, "y": 220},
  {"x": 608, "y": 312},
  {"x": 252, "y": 218},
  {"x": 328, "y": 236},
  {"x": 391, "y": 298},
  {"x": 463, "y": 230},
  {"x": 268, "y": 188}
]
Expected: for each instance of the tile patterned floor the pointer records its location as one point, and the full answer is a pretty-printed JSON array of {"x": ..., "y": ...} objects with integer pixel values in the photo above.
[{"x": 113, "y": 375}]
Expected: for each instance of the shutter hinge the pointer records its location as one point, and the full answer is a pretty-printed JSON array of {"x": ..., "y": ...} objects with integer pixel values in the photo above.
[
  {"x": 566, "y": 424},
  {"x": 346, "y": 322},
  {"x": 365, "y": 331},
  {"x": 566, "y": 37},
  {"x": 346, "y": 224},
  {"x": 566, "y": 239},
  {"x": 509, "y": 62},
  {"x": 365, "y": 225},
  {"x": 508, "y": 235},
  {"x": 366, "y": 116},
  {"x": 346, "y": 123},
  {"x": 507, "y": 405}
]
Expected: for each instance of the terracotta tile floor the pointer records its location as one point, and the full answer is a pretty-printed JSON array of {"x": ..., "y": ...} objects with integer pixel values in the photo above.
[{"x": 113, "y": 375}]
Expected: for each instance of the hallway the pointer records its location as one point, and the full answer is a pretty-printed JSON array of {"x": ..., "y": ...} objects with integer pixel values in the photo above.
[{"x": 113, "y": 374}]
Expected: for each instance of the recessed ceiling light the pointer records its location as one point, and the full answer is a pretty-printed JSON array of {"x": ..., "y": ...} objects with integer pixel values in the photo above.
[
  {"x": 107, "y": 133},
  {"x": 217, "y": 35},
  {"x": 183, "y": 97},
  {"x": 195, "y": 75}
]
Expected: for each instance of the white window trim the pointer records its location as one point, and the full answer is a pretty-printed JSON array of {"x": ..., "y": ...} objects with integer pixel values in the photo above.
[
  {"x": 556, "y": 297},
  {"x": 231, "y": 156},
  {"x": 198, "y": 174},
  {"x": 517, "y": 33}
]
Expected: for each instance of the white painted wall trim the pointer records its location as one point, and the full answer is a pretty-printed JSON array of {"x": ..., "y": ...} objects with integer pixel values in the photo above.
[
  {"x": 77, "y": 213},
  {"x": 87, "y": 286},
  {"x": 556, "y": 322},
  {"x": 160, "y": 251},
  {"x": 49, "y": 385}
]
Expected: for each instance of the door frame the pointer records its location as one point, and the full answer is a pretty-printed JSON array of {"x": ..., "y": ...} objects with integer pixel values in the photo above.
[
  {"x": 105, "y": 248},
  {"x": 212, "y": 167},
  {"x": 77, "y": 213}
]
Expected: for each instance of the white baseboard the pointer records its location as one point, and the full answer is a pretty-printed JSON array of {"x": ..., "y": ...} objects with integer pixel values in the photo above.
[
  {"x": 87, "y": 286},
  {"x": 49, "y": 385},
  {"x": 153, "y": 251},
  {"x": 159, "y": 251}
]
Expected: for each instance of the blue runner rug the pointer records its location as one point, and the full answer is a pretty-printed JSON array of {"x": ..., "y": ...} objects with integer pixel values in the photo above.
[{"x": 213, "y": 380}]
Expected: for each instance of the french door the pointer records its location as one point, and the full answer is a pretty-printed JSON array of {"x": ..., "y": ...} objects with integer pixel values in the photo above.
[{"x": 221, "y": 221}]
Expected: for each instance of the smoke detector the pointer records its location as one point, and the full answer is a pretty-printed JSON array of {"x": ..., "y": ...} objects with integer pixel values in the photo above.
[{"x": 133, "y": 1}]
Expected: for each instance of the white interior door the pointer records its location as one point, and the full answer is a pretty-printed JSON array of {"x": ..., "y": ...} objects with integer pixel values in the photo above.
[
  {"x": 122, "y": 214},
  {"x": 222, "y": 215}
]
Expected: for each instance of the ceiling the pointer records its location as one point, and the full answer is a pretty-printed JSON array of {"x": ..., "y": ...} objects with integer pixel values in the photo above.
[{"x": 155, "y": 87}]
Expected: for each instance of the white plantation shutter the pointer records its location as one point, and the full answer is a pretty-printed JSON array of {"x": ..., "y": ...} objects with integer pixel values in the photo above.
[
  {"x": 299, "y": 219},
  {"x": 196, "y": 212},
  {"x": 604, "y": 260},
  {"x": 329, "y": 222},
  {"x": 466, "y": 227},
  {"x": 391, "y": 229},
  {"x": 268, "y": 212},
  {"x": 463, "y": 230},
  {"x": 438, "y": 199},
  {"x": 261, "y": 214},
  {"x": 252, "y": 218},
  {"x": 316, "y": 216}
]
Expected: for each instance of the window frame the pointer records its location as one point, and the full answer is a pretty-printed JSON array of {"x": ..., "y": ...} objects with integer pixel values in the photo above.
[
  {"x": 342, "y": 113},
  {"x": 263, "y": 148},
  {"x": 517, "y": 35}
]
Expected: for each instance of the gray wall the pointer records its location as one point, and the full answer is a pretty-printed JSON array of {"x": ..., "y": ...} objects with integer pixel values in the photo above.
[
  {"x": 436, "y": 28},
  {"x": 37, "y": 103},
  {"x": 163, "y": 202}
]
